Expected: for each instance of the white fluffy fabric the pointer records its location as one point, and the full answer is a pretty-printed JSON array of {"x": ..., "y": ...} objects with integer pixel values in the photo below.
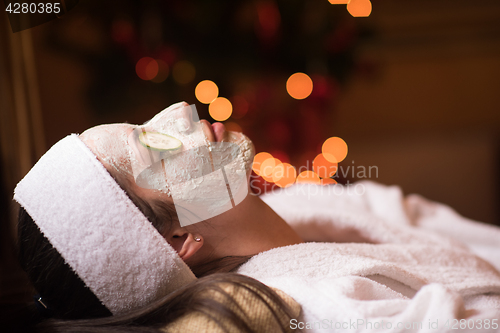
[
  {"x": 412, "y": 265},
  {"x": 97, "y": 229}
]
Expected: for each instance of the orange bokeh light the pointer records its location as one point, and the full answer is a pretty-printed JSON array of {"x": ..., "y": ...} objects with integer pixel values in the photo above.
[
  {"x": 359, "y": 8},
  {"x": 258, "y": 159},
  {"x": 308, "y": 177},
  {"x": 323, "y": 167},
  {"x": 220, "y": 109},
  {"x": 206, "y": 91},
  {"x": 267, "y": 168},
  {"x": 146, "y": 68},
  {"x": 299, "y": 85},
  {"x": 327, "y": 181},
  {"x": 334, "y": 149},
  {"x": 278, "y": 172},
  {"x": 284, "y": 174}
]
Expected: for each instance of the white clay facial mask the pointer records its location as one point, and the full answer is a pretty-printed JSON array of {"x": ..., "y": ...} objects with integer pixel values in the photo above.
[{"x": 171, "y": 153}]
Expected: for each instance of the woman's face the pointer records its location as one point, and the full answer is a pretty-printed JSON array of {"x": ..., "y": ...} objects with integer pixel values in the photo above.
[{"x": 205, "y": 176}]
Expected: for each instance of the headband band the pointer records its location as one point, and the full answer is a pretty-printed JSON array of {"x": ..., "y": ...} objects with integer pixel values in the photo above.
[{"x": 98, "y": 230}]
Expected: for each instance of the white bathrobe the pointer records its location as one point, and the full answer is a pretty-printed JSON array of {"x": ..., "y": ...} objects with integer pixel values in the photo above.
[{"x": 412, "y": 265}]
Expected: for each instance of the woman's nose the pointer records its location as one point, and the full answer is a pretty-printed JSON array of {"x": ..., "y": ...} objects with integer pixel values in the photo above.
[
  {"x": 171, "y": 111},
  {"x": 179, "y": 115}
]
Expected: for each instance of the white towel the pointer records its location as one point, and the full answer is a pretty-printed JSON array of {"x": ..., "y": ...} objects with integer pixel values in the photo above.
[{"x": 411, "y": 279}]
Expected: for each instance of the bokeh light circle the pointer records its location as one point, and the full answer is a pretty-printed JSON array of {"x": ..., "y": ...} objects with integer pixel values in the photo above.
[
  {"x": 220, "y": 109},
  {"x": 289, "y": 175},
  {"x": 146, "y": 68},
  {"x": 323, "y": 167},
  {"x": 257, "y": 161},
  {"x": 206, "y": 91},
  {"x": 267, "y": 168},
  {"x": 299, "y": 85},
  {"x": 334, "y": 149},
  {"x": 163, "y": 71},
  {"x": 278, "y": 172},
  {"x": 359, "y": 8}
]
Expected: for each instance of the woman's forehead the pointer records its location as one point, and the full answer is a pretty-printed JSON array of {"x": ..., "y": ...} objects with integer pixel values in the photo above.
[
  {"x": 107, "y": 129},
  {"x": 109, "y": 144},
  {"x": 107, "y": 135}
]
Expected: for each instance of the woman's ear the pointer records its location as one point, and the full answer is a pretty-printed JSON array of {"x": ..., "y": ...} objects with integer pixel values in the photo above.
[{"x": 186, "y": 244}]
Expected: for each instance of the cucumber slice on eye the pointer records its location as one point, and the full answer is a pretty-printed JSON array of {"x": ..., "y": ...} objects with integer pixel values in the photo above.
[{"x": 159, "y": 141}]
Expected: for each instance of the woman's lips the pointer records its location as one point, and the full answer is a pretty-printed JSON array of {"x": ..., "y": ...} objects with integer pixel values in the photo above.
[
  {"x": 214, "y": 132},
  {"x": 218, "y": 129}
]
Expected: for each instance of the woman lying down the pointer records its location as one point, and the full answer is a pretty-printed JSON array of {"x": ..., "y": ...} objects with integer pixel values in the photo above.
[{"x": 142, "y": 228}]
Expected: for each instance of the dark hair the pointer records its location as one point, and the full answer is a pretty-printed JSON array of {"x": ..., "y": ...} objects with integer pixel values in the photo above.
[{"x": 69, "y": 298}]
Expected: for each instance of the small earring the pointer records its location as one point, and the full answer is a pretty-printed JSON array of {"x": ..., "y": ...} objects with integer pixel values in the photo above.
[{"x": 197, "y": 239}]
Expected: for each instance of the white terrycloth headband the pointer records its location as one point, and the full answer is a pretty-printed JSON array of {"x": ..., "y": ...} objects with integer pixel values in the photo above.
[{"x": 98, "y": 230}]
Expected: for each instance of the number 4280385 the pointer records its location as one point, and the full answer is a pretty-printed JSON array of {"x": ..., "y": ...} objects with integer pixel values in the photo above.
[{"x": 32, "y": 8}]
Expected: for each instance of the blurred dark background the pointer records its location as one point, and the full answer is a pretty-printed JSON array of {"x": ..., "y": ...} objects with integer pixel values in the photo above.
[{"x": 412, "y": 89}]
